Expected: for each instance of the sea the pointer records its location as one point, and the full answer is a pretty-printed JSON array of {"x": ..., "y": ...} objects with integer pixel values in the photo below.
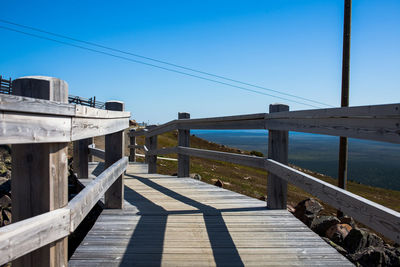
[{"x": 369, "y": 162}]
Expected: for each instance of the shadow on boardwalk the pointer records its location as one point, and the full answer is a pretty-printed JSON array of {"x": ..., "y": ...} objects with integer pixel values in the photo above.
[{"x": 153, "y": 227}]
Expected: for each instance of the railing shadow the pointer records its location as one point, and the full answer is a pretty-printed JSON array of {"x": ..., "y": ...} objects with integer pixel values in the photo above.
[{"x": 224, "y": 250}]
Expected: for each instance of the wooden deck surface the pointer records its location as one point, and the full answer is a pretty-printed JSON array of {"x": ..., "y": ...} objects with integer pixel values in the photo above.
[{"x": 170, "y": 221}]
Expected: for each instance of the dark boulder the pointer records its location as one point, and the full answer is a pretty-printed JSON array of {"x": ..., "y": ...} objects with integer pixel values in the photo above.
[
  {"x": 219, "y": 183},
  {"x": 371, "y": 257},
  {"x": 393, "y": 254},
  {"x": 5, "y": 201},
  {"x": 338, "y": 232},
  {"x": 307, "y": 210},
  {"x": 358, "y": 239},
  {"x": 348, "y": 220},
  {"x": 322, "y": 223}
]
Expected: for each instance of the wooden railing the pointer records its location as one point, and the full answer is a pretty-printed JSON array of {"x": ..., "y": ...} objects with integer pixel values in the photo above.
[
  {"x": 38, "y": 121},
  {"x": 378, "y": 123}
]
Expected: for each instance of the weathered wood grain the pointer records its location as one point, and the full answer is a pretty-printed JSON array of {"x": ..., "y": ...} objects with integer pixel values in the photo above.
[
  {"x": 16, "y": 128},
  {"x": 20, "y": 238},
  {"x": 245, "y": 160},
  {"x": 377, "y": 129},
  {"x": 278, "y": 148},
  {"x": 371, "y": 111},
  {"x": 114, "y": 144},
  {"x": 384, "y": 220},
  {"x": 24, "y": 104},
  {"x": 84, "y": 128},
  {"x": 40, "y": 174},
  {"x": 82, "y": 203}
]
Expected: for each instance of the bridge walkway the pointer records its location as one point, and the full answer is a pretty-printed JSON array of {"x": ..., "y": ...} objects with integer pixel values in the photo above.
[{"x": 172, "y": 221}]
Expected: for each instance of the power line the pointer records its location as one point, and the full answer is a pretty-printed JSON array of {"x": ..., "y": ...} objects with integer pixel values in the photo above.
[
  {"x": 163, "y": 62},
  {"x": 155, "y": 66}
]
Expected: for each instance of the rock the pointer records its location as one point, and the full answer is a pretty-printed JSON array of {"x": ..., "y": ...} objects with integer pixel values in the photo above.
[
  {"x": 321, "y": 224},
  {"x": 7, "y": 217},
  {"x": 195, "y": 176},
  {"x": 174, "y": 174},
  {"x": 393, "y": 254},
  {"x": 5, "y": 186},
  {"x": 307, "y": 210},
  {"x": 219, "y": 183},
  {"x": 338, "y": 232},
  {"x": 371, "y": 256},
  {"x": 348, "y": 220},
  {"x": 5, "y": 202},
  {"x": 358, "y": 239},
  {"x": 335, "y": 246},
  {"x": 290, "y": 208}
]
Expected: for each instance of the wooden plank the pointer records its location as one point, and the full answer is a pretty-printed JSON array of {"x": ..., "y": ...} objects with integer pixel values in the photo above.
[
  {"x": 17, "y": 128},
  {"x": 35, "y": 105},
  {"x": 278, "y": 148},
  {"x": 21, "y": 128},
  {"x": 82, "y": 203},
  {"x": 90, "y": 112},
  {"x": 97, "y": 152},
  {"x": 85, "y": 128},
  {"x": 20, "y": 238},
  {"x": 377, "y": 129},
  {"x": 114, "y": 144},
  {"x": 224, "y": 125},
  {"x": 163, "y": 151},
  {"x": 40, "y": 174},
  {"x": 384, "y": 220},
  {"x": 245, "y": 160},
  {"x": 24, "y": 104},
  {"x": 371, "y": 111}
]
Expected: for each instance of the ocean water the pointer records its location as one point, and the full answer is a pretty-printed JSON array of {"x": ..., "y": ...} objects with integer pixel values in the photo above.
[{"x": 370, "y": 163}]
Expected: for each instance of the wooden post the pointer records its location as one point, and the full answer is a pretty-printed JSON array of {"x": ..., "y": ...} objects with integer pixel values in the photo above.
[
  {"x": 151, "y": 144},
  {"x": 114, "y": 144},
  {"x": 40, "y": 174},
  {"x": 277, "y": 150},
  {"x": 81, "y": 157},
  {"x": 183, "y": 140},
  {"x": 132, "y": 150},
  {"x": 343, "y": 146}
]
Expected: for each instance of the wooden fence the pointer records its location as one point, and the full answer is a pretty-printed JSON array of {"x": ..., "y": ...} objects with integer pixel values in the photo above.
[
  {"x": 378, "y": 123},
  {"x": 38, "y": 121}
]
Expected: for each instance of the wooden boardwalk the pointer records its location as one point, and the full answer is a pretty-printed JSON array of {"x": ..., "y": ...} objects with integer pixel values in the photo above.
[{"x": 172, "y": 221}]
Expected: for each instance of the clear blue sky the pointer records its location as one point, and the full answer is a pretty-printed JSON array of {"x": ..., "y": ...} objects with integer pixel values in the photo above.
[{"x": 287, "y": 45}]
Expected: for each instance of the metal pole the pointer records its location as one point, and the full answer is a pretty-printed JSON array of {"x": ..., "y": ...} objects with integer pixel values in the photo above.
[{"x": 343, "y": 153}]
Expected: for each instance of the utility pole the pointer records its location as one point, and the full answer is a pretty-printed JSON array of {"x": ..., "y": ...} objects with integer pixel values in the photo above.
[{"x": 343, "y": 147}]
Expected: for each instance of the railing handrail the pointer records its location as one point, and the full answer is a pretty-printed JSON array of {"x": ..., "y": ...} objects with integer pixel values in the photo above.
[
  {"x": 20, "y": 238},
  {"x": 31, "y": 120},
  {"x": 372, "y": 122}
]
